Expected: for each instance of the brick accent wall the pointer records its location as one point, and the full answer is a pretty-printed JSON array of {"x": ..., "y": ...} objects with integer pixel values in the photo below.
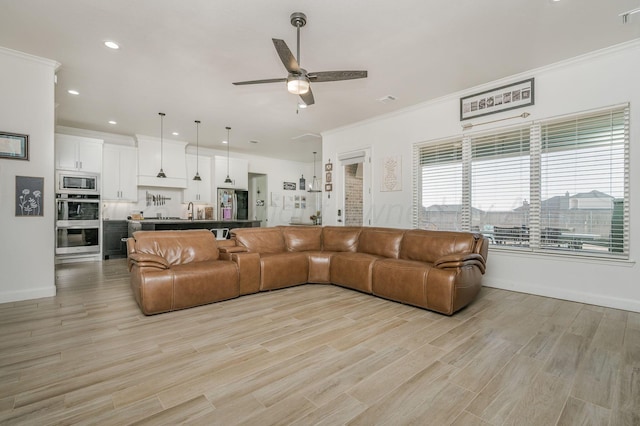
[{"x": 353, "y": 196}]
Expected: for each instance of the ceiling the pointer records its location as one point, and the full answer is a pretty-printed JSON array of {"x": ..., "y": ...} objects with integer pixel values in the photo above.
[{"x": 181, "y": 56}]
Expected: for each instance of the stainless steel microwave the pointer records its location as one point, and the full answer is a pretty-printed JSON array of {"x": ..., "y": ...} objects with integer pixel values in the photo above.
[{"x": 77, "y": 183}]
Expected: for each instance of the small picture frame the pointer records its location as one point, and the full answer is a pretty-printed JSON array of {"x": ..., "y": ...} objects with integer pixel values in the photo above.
[
  {"x": 29, "y": 196},
  {"x": 327, "y": 177},
  {"x": 14, "y": 146},
  {"x": 328, "y": 187},
  {"x": 289, "y": 186},
  {"x": 328, "y": 167}
]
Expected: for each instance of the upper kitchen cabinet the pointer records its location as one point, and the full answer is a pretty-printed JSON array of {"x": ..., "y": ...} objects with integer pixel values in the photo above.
[
  {"x": 198, "y": 192},
  {"x": 119, "y": 178},
  {"x": 173, "y": 162},
  {"x": 238, "y": 173},
  {"x": 78, "y": 153}
]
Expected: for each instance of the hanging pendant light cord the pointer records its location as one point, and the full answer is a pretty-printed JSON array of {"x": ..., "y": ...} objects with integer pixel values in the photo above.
[{"x": 228, "y": 179}]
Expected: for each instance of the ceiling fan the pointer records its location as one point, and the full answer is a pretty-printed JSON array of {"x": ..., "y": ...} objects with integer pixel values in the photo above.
[{"x": 299, "y": 80}]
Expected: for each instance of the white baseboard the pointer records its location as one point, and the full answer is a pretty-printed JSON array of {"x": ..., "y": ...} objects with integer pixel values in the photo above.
[
  {"x": 573, "y": 296},
  {"x": 36, "y": 293}
]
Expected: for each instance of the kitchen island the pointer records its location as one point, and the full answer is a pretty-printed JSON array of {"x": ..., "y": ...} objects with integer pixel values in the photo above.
[{"x": 179, "y": 224}]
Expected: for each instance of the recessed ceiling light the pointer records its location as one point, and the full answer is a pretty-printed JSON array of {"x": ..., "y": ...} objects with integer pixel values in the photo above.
[
  {"x": 113, "y": 122},
  {"x": 175, "y": 133},
  {"x": 112, "y": 45},
  {"x": 225, "y": 142},
  {"x": 73, "y": 92}
]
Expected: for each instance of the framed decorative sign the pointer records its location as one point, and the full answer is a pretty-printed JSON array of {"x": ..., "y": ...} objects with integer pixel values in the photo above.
[
  {"x": 289, "y": 186},
  {"x": 328, "y": 187},
  {"x": 328, "y": 167},
  {"x": 511, "y": 96},
  {"x": 392, "y": 174},
  {"x": 29, "y": 194},
  {"x": 14, "y": 146}
]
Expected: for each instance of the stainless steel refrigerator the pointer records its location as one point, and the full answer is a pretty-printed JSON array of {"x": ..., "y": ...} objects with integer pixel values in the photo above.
[{"x": 233, "y": 204}]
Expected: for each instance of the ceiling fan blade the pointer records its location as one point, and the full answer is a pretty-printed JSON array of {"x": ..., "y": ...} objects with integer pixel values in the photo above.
[
  {"x": 286, "y": 56},
  {"x": 270, "y": 80},
  {"x": 307, "y": 98},
  {"x": 336, "y": 75}
]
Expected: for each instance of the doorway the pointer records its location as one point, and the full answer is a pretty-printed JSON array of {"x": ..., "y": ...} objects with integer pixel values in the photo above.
[
  {"x": 258, "y": 198},
  {"x": 356, "y": 174}
]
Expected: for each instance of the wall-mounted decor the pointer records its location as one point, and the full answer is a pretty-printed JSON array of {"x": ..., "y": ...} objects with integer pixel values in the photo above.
[
  {"x": 391, "y": 174},
  {"x": 14, "y": 146},
  {"x": 515, "y": 95},
  {"x": 327, "y": 177},
  {"x": 289, "y": 186},
  {"x": 328, "y": 187},
  {"x": 328, "y": 167},
  {"x": 29, "y": 193},
  {"x": 303, "y": 183}
]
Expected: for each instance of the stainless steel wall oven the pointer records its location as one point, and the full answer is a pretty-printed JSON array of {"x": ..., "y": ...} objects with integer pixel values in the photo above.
[{"x": 77, "y": 223}]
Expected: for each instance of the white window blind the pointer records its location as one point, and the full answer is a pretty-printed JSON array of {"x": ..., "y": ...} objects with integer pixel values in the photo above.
[
  {"x": 500, "y": 186},
  {"x": 439, "y": 177},
  {"x": 558, "y": 186},
  {"x": 583, "y": 174}
]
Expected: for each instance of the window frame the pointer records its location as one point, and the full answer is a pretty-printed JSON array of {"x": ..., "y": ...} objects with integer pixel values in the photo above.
[{"x": 535, "y": 233}]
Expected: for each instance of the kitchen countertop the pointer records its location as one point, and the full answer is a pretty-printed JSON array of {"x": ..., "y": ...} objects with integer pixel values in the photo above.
[{"x": 190, "y": 221}]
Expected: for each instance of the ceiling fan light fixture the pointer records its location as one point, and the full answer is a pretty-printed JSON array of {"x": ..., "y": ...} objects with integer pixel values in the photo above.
[{"x": 298, "y": 84}]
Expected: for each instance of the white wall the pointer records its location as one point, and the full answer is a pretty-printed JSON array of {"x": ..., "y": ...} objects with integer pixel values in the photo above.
[
  {"x": 27, "y": 244},
  {"x": 600, "y": 79}
]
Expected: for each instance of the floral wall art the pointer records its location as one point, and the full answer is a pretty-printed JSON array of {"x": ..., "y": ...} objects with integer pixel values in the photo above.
[{"x": 29, "y": 196}]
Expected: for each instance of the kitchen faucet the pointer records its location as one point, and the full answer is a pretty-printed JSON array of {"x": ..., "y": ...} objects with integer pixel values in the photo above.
[{"x": 190, "y": 213}]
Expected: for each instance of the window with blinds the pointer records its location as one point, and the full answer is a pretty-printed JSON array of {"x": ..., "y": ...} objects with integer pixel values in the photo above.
[
  {"x": 557, "y": 186},
  {"x": 440, "y": 186}
]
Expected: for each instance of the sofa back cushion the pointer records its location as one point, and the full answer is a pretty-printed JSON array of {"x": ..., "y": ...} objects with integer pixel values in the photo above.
[
  {"x": 178, "y": 247},
  {"x": 260, "y": 240},
  {"x": 381, "y": 242},
  {"x": 302, "y": 238},
  {"x": 340, "y": 238},
  {"x": 429, "y": 246}
]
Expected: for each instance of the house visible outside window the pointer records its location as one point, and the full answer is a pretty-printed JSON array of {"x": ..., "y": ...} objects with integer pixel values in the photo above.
[{"x": 557, "y": 186}]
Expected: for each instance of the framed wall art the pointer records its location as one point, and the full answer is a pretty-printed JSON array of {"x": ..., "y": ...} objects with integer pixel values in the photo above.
[
  {"x": 511, "y": 96},
  {"x": 14, "y": 146},
  {"x": 29, "y": 196}
]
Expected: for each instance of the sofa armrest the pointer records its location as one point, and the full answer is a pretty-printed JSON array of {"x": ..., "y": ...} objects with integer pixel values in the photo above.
[
  {"x": 457, "y": 261},
  {"x": 233, "y": 249},
  {"x": 148, "y": 260}
]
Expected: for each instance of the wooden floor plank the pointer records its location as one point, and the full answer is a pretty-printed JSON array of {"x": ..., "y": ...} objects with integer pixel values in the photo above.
[{"x": 312, "y": 354}]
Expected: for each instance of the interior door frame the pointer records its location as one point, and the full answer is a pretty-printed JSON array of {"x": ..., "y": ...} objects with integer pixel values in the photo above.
[{"x": 352, "y": 157}]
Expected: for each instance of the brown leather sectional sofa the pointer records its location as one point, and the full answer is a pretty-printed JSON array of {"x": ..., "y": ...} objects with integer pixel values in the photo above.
[{"x": 436, "y": 270}]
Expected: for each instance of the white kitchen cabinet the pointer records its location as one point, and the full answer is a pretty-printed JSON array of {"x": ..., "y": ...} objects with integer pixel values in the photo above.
[
  {"x": 120, "y": 173},
  {"x": 78, "y": 153},
  {"x": 238, "y": 172},
  {"x": 173, "y": 162},
  {"x": 198, "y": 192}
]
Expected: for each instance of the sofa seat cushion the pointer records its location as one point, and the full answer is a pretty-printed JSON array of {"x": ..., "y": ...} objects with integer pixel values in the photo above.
[
  {"x": 401, "y": 280},
  {"x": 278, "y": 270},
  {"x": 204, "y": 282},
  {"x": 320, "y": 266},
  {"x": 353, "y": 270},
  {"x": 183, "y": 286}
]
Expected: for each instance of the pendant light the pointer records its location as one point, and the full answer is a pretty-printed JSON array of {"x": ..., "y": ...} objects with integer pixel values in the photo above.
[
  {"x": 197, "y": 176},
  {"x": 228, "y": 179},
  {"x": 315, "y": 183},
  {"x": 161, "y": 172}
]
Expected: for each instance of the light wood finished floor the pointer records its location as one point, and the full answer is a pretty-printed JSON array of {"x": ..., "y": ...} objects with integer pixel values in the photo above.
[{"x": 312, "y": 354}]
